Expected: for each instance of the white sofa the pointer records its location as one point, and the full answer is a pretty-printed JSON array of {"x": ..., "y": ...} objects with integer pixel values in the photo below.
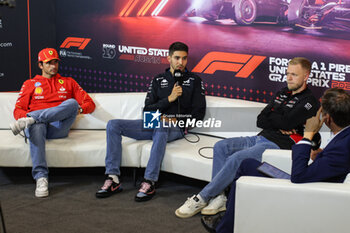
[
  {"x": 263, "y": 205},
  {"x": 86, "y": 144},
  {"x": 278, "y": 206}
]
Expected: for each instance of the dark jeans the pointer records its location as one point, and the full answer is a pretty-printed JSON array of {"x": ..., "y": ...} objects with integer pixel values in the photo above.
[{"x": 247, "y": 168}]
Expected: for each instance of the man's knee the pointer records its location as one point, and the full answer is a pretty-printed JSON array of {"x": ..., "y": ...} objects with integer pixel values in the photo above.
[
  {"x": 37, "y": 130},
  {"x": 113, "y": 125},
  {"x": 72, "y": 103},
  {"x": 38, "y": 127},
  {"x": 219, "y": 147}
]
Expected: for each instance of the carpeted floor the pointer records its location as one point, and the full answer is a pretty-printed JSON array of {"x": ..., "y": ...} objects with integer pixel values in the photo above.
[{"x": 72, "y": 206}]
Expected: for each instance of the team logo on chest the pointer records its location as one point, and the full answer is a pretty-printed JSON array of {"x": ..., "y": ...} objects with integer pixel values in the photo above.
[
  {"x": 164, "y": 83},
  {"x": 38, "y": 91},
  {"x": 187, "y": 82},
  {"x": 62, "y": 90}
]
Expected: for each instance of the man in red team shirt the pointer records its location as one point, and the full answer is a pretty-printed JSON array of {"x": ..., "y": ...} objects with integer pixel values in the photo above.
[{"x": 46, "y": 109}]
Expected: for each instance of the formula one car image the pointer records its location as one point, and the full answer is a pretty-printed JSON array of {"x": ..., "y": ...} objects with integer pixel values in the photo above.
[
  {"x": 313, "y": 14},
  {"x": 328, "y": 14},
  {"x": 246, "y": 12}
]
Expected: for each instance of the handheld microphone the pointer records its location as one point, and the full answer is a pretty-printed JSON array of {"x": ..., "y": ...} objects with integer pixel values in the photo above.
[{"x": 178, "y": 75}]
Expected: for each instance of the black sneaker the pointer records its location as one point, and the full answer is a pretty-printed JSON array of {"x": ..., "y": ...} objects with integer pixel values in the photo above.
[
  {"x": 211, "y": 222},
  {"x": 146, "y": 191},
  {"x": 109, "y": 188}
]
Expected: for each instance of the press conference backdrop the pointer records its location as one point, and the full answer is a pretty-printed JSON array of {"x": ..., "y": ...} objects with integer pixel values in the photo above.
[{"x": 118, "y": 46}]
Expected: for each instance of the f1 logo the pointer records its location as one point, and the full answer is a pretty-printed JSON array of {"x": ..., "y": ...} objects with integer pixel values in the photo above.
[
  {"x": 244, "y": 64},
  {"x": 81, "y": 43},
  {"x": 151, "y": 119}
]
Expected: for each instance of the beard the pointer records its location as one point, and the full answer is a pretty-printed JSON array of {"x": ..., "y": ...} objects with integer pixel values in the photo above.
[
  {"x": 174, "y": 67},
  {"x": 295, "y": 87}
]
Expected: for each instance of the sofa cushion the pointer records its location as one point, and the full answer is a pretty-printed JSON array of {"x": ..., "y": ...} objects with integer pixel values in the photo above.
[
  {"x": 86, "y": 144},
  {"x": 7, "y": 105},
  {"x": 182, "y": 157},
  {"x": 82, "y": 148},
  {"x": 108, "y": 106},
  {"x": 238, "y": 117},
  {"x": 111, "y": 106}
]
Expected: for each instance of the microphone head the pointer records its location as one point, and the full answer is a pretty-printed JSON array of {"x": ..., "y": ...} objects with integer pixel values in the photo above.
[{"x": 178, "y": 75}]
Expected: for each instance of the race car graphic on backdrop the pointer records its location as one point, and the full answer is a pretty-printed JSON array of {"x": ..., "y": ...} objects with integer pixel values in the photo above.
[{"x": 299, "y": 14}]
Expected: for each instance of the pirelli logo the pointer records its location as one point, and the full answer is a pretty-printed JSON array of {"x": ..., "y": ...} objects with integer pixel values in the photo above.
[
  {"x": 340, "y": 84},
  {"x": 81, "y": 43},
  {"x": 242, "y": 64}
]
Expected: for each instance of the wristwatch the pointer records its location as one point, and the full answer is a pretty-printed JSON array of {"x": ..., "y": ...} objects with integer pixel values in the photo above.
[{"x": 315, "y": 142}]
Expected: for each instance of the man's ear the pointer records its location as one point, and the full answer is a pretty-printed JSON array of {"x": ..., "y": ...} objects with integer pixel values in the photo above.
[
  {"x": 327, "y": 118},
  {"x": 40, "y": 65},
  {"x": 169, "y": 58},
  {"x": 306, "y": 76}
]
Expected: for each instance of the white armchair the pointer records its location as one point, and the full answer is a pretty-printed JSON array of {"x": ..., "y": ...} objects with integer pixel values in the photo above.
[{"x": 265, "y": 205}]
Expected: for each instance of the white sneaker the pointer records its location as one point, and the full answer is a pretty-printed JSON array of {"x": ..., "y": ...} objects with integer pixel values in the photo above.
[
  {"x": 42, "y": 187},
  {"x": 192, "y": 206},
  {"x": 215, "y": 205},
  {"x": 21, "y": 124}
]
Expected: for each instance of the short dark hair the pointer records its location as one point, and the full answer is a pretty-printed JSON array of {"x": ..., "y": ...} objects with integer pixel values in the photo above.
[
  {"x": 336, "y": 102},
  {"x": 177, "y": 46},
  {"x": 304, "y": 62}
]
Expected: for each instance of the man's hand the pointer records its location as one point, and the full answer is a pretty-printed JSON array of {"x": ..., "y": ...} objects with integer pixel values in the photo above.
[
  {"x": 288, "y": 132},
  {"x": 175, "y": 93},
  {"x": 313, "y": 125},
  {"x": 314, "y": 153}
]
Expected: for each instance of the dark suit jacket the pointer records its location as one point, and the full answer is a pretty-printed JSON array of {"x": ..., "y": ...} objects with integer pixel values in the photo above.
[{"x": 330, "y": 165}]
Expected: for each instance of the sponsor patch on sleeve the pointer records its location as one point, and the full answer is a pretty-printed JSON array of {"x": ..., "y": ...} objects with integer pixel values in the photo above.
[{"x": 308, "y": 106}]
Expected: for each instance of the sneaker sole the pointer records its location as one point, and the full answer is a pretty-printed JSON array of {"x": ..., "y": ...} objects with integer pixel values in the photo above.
[
  {"x": 181, "y": 215},
  {"x": 42, "y": 194},
  {"x": 145, "y": 198},
  {"x": 212, "y": 211},
  {"x": 105, "y": 195}
]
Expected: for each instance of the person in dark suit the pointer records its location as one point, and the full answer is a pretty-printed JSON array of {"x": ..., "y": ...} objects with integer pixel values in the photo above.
[{"x": 330, "y": 165}]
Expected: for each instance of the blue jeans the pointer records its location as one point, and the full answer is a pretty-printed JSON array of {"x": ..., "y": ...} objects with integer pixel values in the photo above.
[
  {"x": 228, "y": 155},
  {"x": 51, "y": 123},
  {"x": 134, "y": 129}
]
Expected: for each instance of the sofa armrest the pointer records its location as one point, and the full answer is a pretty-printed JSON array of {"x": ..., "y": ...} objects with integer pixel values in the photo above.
[
  {"x": 279, "y": 158},
  {"x": 268, "y": 205}
]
